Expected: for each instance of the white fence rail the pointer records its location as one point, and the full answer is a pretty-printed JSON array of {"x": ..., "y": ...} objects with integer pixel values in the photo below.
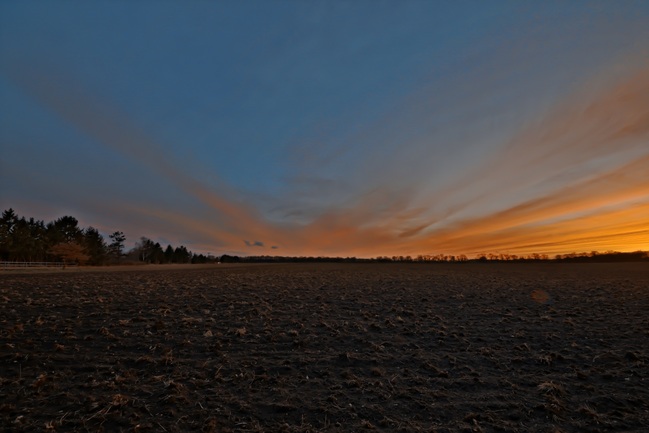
[{"x": 16, "y": 265}]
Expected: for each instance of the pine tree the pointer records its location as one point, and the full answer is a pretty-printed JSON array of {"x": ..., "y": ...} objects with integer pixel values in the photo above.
[
  {"x": 7, "y": 223},
  {"x": 116, "y": 247},
  {"x": 94, "y": 246}
]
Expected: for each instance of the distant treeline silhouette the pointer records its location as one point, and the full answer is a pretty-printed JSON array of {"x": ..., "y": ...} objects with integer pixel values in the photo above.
[
  {"x": 594, "y": 256},
  {"x": 31, "y": 240}
]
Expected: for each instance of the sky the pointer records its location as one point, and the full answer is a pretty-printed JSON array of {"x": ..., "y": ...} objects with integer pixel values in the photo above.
[{"x": 332, "y": 128}]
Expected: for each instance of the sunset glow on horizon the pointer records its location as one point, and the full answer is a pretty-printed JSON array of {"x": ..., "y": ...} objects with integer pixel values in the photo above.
[{"x": 349, "y": 129}]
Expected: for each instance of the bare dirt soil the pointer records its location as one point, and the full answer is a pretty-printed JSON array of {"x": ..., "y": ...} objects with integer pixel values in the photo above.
[{"x": 326, "y": 347}]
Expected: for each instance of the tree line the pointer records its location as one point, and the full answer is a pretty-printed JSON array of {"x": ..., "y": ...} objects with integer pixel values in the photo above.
[
  {"x": 591, "y": 257},
  {"x": 32, "y": 240}
]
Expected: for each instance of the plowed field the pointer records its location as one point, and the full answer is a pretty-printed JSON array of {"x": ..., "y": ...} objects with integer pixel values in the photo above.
[{"x": 327, "y": 347}]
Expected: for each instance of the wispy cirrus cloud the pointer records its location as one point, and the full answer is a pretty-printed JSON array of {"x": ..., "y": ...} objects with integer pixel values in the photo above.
[
  {"x": 98, "y": 118},
  {"x": 575, "y": 178}
]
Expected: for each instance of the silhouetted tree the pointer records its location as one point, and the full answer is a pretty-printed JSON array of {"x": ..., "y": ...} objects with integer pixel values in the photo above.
[
  {"x": 201, "y": 258},
  {"x": 94, "y": 246},
  {"x": 64, "y": 229},
  {"x": 158, "y": 253},
  {"x": 22, "y": 242},
  {"x": 169, "y": 254},
  {"x": 34, "y": 235},
  {"x": 229, "y": 259},
  {"x": 144, "y": 249},
  {"x": 148, "y": 251},
  {"x": 7, "y": 223},
  {"x": 116, "y": 247},
  {"x": 182, "y": 255}
]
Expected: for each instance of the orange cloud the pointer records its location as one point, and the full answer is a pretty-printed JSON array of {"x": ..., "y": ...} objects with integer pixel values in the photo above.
[
  {"x": 578, "y": 142},
  {"x": 577, "y": 179}
]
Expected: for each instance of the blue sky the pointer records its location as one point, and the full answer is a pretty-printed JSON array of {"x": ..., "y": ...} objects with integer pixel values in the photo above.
[{"x": 329, "y": 128}]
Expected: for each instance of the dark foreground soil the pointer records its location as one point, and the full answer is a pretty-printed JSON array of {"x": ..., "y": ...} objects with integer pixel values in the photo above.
[{"x": 332, "y": 348}]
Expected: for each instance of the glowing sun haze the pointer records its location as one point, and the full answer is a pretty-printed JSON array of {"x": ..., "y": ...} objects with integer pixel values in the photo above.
[{"x": 361, "y": 128}]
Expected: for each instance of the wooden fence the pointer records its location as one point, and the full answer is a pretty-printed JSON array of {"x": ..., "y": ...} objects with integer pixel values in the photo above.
[{"x": 16, "y": 265}]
